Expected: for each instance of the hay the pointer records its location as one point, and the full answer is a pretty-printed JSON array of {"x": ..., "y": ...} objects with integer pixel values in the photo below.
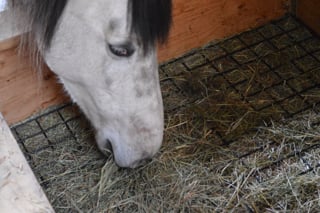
[
  {"x": 241, "y": 135},
  {"x": 276, "y": 170}
]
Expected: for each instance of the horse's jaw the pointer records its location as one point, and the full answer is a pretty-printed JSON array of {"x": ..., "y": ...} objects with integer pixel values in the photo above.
[{"x": 125, "y": 115}]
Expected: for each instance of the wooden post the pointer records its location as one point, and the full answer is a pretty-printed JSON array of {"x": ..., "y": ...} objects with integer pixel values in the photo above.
[{"x": 19, "y": 190}]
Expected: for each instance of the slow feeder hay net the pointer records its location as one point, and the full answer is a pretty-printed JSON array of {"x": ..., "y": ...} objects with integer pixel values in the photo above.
[{"x": 242, "y": 134}]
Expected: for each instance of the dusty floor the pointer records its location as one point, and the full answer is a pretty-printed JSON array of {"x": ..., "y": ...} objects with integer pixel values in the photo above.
[{"x": 219, "y": 100}]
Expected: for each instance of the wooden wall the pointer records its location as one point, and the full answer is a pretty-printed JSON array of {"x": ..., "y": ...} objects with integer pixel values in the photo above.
[
  {"x": 196, "y": 22},
  {"x": 22, "y": 91},
  {"x": 309, "y": 12}
]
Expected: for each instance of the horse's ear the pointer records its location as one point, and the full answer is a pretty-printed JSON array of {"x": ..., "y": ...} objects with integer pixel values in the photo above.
[{"x": 151, "y": 20}]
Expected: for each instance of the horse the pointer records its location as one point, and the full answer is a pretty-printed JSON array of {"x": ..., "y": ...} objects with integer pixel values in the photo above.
[{"x": 104, "y": 54}]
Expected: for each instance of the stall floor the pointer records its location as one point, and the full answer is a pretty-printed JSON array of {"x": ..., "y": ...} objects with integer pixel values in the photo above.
[{"x": 222, "y": 92}]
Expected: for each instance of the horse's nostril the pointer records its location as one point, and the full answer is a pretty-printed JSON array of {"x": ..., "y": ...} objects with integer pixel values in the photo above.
[
  {"x": 107, "y": 149},
  {"x": 109, "y": 145}
]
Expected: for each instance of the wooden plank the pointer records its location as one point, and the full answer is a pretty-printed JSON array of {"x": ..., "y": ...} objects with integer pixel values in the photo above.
[
  {"x": 9, "y": 43},
  {"x": 196, "y": 22},
  {"x": 309, "y": 12},
  {"x": 19, "y": 189},
  {"x": 22, "y": 90}
]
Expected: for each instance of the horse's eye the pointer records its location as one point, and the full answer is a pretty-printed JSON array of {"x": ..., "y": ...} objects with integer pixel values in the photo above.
[{"x": 123, "y": 50}]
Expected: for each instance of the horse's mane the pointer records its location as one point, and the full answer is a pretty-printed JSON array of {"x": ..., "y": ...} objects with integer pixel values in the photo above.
[
  {"x": 38, "y": 18},
  {"x": 151, "y": 19}
]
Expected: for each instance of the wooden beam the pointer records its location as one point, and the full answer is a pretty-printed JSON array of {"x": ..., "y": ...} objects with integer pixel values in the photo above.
[
  {"x": 19, "y": 189},
  {"x": 309, "y": 12},
  {"x": 22, "y": 90}
]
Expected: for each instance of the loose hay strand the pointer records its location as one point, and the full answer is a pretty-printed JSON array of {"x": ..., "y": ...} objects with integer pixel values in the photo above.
[{"x": 241, "y": 135}]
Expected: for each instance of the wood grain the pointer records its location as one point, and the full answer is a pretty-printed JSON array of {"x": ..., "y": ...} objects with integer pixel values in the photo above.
[
  {"x": 22, "y": 91},
  {"x": 198, "y": 22},
  {"x": 19, "y": 188},
  {"x": 309, "y": 12}
]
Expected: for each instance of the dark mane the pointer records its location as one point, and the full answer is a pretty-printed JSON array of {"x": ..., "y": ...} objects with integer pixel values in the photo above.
[
  {"x": 151, "y": 19},
  {"x": 42, "y": 15}
]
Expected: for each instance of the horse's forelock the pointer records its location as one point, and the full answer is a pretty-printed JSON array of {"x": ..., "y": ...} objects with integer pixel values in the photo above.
[
  {"x": 48, "y": 13},
  {"x": 151, "y": 20}
]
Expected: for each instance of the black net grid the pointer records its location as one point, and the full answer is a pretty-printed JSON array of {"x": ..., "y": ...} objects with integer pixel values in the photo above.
[
  {"x": 263, "y": 74},
  {"x": 229, "y": 87}
]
